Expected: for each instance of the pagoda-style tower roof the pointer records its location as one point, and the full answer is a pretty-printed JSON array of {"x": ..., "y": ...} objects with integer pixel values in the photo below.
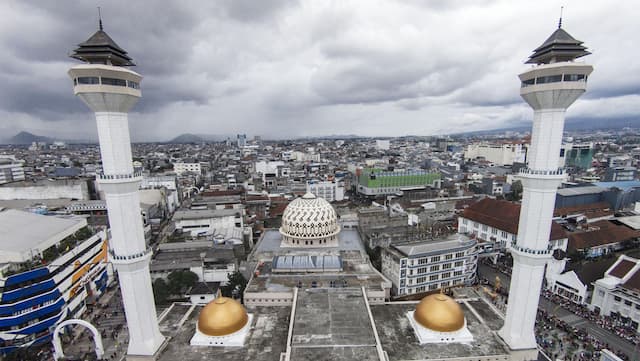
[
  {"x": 560, "y": 46},
  {"x": 101, "y": 49}
]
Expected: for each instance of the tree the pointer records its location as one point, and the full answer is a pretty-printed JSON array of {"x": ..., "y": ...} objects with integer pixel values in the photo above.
[
  {"x": 181, "y": 280},
  {"x": 516, "y": 190},
  {"x": 160, "y": 291},
  {"x": 235, "y": 285}
]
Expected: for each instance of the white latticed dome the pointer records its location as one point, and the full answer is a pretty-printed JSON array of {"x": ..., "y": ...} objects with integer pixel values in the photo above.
[{"x": 310, "y": 221}]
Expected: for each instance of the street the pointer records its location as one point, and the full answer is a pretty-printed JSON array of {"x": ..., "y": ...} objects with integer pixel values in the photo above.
[{"x": 570, "y": 318}]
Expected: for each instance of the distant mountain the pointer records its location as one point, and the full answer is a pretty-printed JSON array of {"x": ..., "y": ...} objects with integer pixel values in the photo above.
[
  {"x": 197, "y": 138},
  {"x": 28, "y": 138},
  {"x": 187, "y": 138}
]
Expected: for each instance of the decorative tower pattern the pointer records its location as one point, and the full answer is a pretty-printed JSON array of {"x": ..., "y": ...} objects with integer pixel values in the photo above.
[
  {"x": 553, "y": 83},
  {"x": 110, "y": 90}
]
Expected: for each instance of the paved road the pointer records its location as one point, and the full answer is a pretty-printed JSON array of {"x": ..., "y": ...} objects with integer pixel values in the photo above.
[{"x": 616, "y": 342}]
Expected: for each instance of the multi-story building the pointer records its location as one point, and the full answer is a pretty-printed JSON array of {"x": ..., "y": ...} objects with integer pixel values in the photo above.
[
  {"x": 187, "y": 166},
  {"x": 578, "y": 155},
  {"x": 619, "y": 174},
  {"x": 618, "y": 292},
  {"x": 417, "y": 267},
  {"x": 241, "y": 140},
  {"x": 50, "y": 268},
  {"x": 499, "y": 154},
  {"x": 375, "y": 182},
  {"x": 495, "y": 224},
  {"x": 383, "y": 144},
  {"x": 10, "y": 170},
  {"x": 330, "y": 191},
  {"x": 208, "y": 221}
]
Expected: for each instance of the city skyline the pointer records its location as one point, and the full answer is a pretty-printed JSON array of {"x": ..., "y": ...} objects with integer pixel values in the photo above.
[{"x": 294, "y": 69}]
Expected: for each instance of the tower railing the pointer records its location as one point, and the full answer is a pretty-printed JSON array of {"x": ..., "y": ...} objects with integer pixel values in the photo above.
[
  {"x": 529, "y": 171},
  {"x": 539, "y": 252},
  {"x": 130, "y": 257},
  {"x": 103, "y": 176}
]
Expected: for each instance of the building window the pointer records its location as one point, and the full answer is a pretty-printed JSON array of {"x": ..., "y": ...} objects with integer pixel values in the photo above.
[
  {"x": 435, "y": 259},
  {"x": 433, "y": 278},
  {"x": 459, "y": 263},
  {"x": 446, "y": 266},
  {"x": 575, "y": 77},
  {"x": 457, "y": 273},
  {"x": 434, "y": 268},
  {"x": 549, "y": 79},
  {"x": 88, "y": 80},
  {"x": 421, "y": 280},
  {"x": 433, "y": 287},
  {"x": 114, "y": 82},
  {"x": 133, "y": 84},
  {"x": 494, "y": 231},
  {"x": 504, "y": 234},
  {"x": 446, "y": 275},
  {"x": 448, "y": 257},
  {"x": 627, "y": 303},
  {"x": 422, "y": 270},
  {"x": 617, "y": 298},
  {"x": 484, "y": 227},
  {"x": 459, "y": 254}
]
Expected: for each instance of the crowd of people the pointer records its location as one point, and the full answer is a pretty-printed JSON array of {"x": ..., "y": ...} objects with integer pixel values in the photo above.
[
  {"x": 613, "y": 324},
  {"x": 575, "y": 343}
]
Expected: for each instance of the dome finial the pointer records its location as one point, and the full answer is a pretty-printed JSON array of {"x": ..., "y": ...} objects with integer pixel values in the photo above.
[
  {"x": 99, "y": 20},
  {"x": 560, "y": 21}
]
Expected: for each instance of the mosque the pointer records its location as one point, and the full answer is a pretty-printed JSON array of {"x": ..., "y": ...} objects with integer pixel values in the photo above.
[{"x": 313, "y": 294}]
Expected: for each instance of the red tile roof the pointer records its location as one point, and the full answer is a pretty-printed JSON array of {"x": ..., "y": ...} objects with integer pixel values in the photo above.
[
  {"x": 608, "y": 233},
  {"x": 503, "y": 215},
  {"x": 592, "y": 210},
  {"x": 622, "y": 268},
  {"x": 633, "y": 282}
]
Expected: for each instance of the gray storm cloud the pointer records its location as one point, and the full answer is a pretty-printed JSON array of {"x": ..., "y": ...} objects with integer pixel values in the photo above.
[{"x": 282, "y": 68}]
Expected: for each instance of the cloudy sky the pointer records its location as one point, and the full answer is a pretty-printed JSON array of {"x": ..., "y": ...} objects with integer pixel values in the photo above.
[{"x": 284, "y": 68}]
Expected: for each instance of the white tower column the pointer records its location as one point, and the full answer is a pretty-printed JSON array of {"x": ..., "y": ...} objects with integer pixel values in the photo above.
[
  {"x": 549, "y": 88},
  {"x": 110, "y": 90}
]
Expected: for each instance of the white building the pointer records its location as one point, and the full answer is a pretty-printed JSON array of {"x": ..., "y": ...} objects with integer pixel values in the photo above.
[
  {"x": 305, "y": 157},
  {"x": 499, "y": 154},
  {"x": 11, "y": 170},
  {"x": 330, "y": 191},
  {"x": 208, "y": 221},
  {"x": 494, "y": 223},
  {"x": 183, "y": 167},
  {"x": 383, "y": 144},
  {"x": 417, "y": 267},
  {"x": 168, "y": 181},
  {"x": 618, "y": 292}
]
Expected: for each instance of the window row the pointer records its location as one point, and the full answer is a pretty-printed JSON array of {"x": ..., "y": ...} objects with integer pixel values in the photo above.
[
  {"x": 554, "y": 79},
  {"x": 94, "y": 80}
]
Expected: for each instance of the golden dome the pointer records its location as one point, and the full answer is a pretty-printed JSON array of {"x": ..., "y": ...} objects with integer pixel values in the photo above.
[
  {"x": 440, "y": 313},
  {"x": 222, "y": 316}
]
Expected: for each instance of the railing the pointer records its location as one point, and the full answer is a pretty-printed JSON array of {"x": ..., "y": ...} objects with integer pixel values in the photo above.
[
  {"x": 540, "y": 252},
  {"x": 103, "y": 176},
  {"x": 130, "y": 257},
  {"x": 529, "y": 171}
]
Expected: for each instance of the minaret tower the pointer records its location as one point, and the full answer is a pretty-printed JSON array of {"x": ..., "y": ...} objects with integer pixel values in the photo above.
[
  {"x": 110, "y": 90},
  {"x": 550, "y": 86}
]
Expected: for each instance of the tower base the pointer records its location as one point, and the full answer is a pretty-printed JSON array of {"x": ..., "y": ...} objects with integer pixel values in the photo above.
[
  {"x": 153, "y": 357},
  {"x": 523, "y": 355}
]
